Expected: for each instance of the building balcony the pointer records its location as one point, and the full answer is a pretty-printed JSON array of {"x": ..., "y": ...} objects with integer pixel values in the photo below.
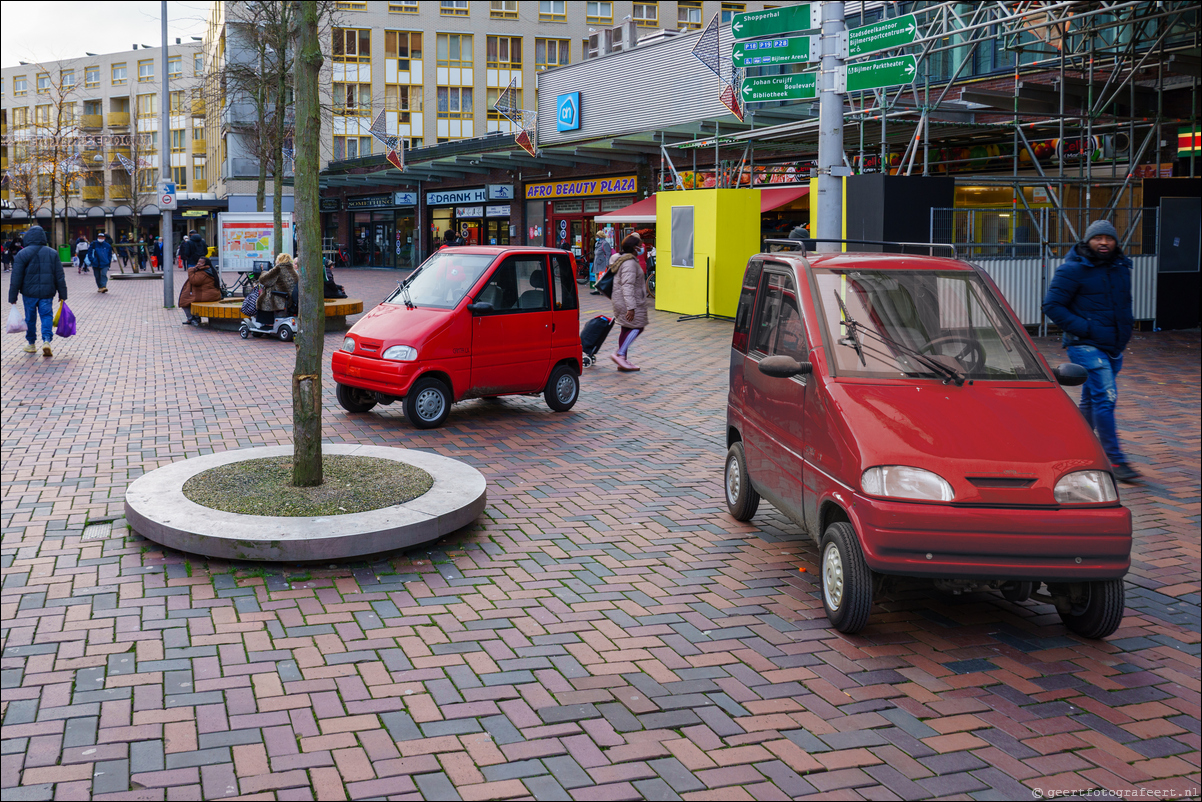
[
  {"x": 121, "y": 192},
  {"x": 199, "y": 146},
  {"x": 4, "y": 162},
  {"x": 199, "y": 185},
  {"x": 123, "y": 150},
  {"x": 91, "y": 121},
  {"x": 94, "y": 194},
  {"x": 118, "y": 119},
  {"x": 198, "y": 107}
]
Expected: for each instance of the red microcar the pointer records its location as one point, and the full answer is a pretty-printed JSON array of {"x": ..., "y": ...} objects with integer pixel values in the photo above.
[
  {"x": 470, "y": 322},
  {"x": 894, "y": 408}
]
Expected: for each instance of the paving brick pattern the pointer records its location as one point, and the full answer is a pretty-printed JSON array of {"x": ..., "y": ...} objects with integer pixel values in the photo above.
[{"x": 605, "y": 631}]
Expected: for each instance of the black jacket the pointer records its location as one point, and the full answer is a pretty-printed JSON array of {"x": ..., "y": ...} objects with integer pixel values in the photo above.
[
  {"x": 192, "y": 248},
  {"x": 37, "y": 271},
  {"x": 1090, "y": 300}
]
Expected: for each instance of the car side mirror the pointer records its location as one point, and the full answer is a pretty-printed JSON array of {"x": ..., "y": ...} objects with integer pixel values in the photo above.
[
  {"x": 784, "y": 367},
  {"x": 1070, "y": 375},
  {"x": 480, "y": 308}
]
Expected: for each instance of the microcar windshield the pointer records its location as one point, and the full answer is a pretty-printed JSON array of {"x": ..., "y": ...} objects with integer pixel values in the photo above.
[
  {"x": 443, "y": 280},
  {"x": 921, "y": 323}
]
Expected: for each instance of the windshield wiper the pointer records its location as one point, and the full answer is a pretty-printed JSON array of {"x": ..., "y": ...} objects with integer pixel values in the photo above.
[
  {"x": 404, "y": 288},
  {"x": 852, "y": 340}
]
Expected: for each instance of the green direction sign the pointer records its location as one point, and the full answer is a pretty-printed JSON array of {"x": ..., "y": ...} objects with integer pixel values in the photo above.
[
  {"x": 775, "y": 21},
  {"x": 880, "y": 73},
  {"x": 765, "y": 52},
  {"x": 884, "y": 35},
  {"x": 796, "y": 86}
]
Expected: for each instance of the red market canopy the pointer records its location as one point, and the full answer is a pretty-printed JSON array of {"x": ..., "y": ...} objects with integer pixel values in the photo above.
[
  {"x": 780, "y": 196},
  {"x": 641, "y": 212}
]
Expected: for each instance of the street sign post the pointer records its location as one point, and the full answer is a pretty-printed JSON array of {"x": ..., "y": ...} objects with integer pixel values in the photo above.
[
  {"x": 766, "y": 52},
  {"x": 167, "y": 196},
  {"x": 887, "y": 34},
  {"x": 795, "y": 86},
  {"x": 775, "y": 21},
  {"x": 878, "y": 73}
]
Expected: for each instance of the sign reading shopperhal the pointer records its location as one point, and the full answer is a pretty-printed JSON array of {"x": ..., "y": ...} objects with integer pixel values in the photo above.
[
  {"x": 622, "y": 185},
  {"x": 775, "y": 21}
]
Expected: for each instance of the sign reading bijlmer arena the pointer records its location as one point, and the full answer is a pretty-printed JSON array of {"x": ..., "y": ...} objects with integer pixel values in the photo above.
[{"x": 621, "y": 185}]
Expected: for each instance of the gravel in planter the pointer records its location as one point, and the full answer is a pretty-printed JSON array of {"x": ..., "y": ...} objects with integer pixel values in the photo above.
[{"x": 264, "y": 486}]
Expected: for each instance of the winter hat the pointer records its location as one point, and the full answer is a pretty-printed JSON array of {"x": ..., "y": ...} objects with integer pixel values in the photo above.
[{"x": 1099, "y": 228}]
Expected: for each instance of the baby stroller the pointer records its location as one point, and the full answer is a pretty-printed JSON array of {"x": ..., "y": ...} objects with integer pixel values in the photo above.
[
  {"x": 285, "y": 325},
  {"x": 592, "y": 337}
]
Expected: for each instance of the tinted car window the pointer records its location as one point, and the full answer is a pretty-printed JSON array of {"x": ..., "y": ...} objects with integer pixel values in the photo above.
[
  {"x": 778, "y": 328},
  {"x": 751, "y": 279},
  {"x": 565, "y": 284},
  {"x": 518, "y": 285}
]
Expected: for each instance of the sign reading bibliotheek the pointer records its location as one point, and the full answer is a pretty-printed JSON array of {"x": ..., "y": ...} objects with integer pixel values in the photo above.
[{"x": 796, "y": 86}]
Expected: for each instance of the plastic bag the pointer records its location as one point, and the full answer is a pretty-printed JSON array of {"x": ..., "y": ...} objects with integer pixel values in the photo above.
[
  {"x": 16, "y": 321},
  {"x": 66, "y": 324},
  {"x": 58, "y": 313}
]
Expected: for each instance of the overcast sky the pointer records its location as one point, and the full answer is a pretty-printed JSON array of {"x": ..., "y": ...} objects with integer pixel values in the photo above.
[{"x": 37, "y": 31}]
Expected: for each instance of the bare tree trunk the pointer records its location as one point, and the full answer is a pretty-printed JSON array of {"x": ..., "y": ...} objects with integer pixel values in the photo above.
[
  {"x": 261, "y": 186},
  {"x": 306, "y": 376},
  {"x": 277, "y": 173}
]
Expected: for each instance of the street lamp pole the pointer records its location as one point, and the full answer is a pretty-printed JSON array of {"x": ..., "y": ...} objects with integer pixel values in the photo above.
[{"x": 165, "y": 163}]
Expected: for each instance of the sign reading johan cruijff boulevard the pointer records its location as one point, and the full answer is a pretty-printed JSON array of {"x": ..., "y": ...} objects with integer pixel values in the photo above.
[
  {"x": 775, "y": 21},
  {"x": 884, "y": 35},
  {"x": 795, "y": 86},
  {"x": 878, "y": 73},
  {"x": 781, "y": 50}
]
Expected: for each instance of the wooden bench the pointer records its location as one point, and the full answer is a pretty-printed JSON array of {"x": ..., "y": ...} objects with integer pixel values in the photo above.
[{"x": 227, "y": 313}]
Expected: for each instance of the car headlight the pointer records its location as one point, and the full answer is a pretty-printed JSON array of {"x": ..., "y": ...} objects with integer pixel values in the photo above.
[
  {"x": 401, "y": 353},
  {"x": 348, "y": 344},
  {"x": 901, "y": 481},
  {"x": 1085, "y": 487}
]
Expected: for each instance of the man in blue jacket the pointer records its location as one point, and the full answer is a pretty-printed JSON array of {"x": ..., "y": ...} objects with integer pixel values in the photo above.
[
  {"x": 38, "y": 276},
  {"x": 1090, "y": 300},
  {"x": 100, "y": 254}
]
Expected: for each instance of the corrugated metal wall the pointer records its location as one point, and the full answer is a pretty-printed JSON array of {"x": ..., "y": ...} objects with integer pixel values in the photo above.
[
  {"x": 1023, "y": 285},
  {"x": 1143, "y": 285},
  {"x": 626, "y": 93}
]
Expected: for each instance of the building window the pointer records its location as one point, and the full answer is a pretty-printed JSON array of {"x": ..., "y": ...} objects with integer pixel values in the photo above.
[
  {"x": 351, "y": 147},
  {"x": 119, "y": 74},
  {"x": 176, "y": 100},
  {"x": 20, "y": 85},
  {"x": 552, "y": 11},
  {"x": 179, "y": 141},
  {"x": 68, "y": 79},
  {"x": 646, "y": 14},
  {"x": 352, "y": 100},
  {"x": 148, "y": 105},
  {"x": 20, "y": 119},
  {"x": 146, "y": 70},
  {"x": 43, "y": 83},
  {"x": 403, "y": 45},
  {"x": 503, "y": 9},
  {"x": 198, "y": 171},
  {"x": 599, "y": 13},
  {"x": 92, "y": 107},
  {"x": 402, "y": 99},
  {"x": 352, "y": 45},
  {"x": 404, "y": 7},
  {"x": 91, "y": 77},
  {"x": 180, "y": 176},
  {"x": 175, "y": 67},
  {"x": 41, "y": 115},
  {"x": 66, "y": 114},
  {"x": 351, "y": 6},
  {"x": 504, "y": 52},
  {"x": 455, "y": 102},
  {"x": 455, "y": 50},
  {"x": 198, "y": 134},
  {"x": 688, "y": 15},
  {"x": 551, "y": 53},
  {"x": 453, "y": 8},
  {"x": 730, "y": 9},
  {"x": 198, "y": 64}
]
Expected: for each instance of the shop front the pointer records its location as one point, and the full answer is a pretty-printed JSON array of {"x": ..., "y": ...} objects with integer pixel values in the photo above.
[
  {"x": 382, "y": 229},
  {"x": 479, "y": 215},
  {"x": 571, "y": 206}
]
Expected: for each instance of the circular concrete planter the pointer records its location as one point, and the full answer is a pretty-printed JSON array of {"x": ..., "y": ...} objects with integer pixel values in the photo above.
[{"x": 157, "y": 509}]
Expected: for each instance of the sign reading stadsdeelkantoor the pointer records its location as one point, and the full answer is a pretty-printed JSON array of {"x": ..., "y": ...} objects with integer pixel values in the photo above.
[{"x": 884, "y": 35}]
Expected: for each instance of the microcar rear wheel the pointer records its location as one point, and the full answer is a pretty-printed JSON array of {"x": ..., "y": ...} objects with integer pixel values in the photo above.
[
  {"x": 354, "y": 399},
  {"x": 741, "y": 498},
  {"x": 846, "y": 579},
  {"x": 1098, "y": 611},
  {"x": 563, "y": 388},
  {"x": 428, "y": 403}
]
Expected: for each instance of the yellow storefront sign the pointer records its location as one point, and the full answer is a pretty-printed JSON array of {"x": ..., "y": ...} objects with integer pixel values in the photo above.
[{"x": 622, "y": 185}]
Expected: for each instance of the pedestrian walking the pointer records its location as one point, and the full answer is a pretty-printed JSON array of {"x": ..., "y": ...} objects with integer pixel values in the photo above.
[
  {"x": 1090, "y": 300},
  {"x": 37, "y": 276},
  {"x": 142, "y": 252},
  {"x": 630, "y": 299},
  {"x": 602, "y": 252},
  {"x": 193, "y": 248},
  {"x": 81, "y": 253},
  {"x": 100, "y": 255},
  {"x": 6, "y": 255},
  {"x": 201, "y": 286},
  {"x": 158, "y": 253}
]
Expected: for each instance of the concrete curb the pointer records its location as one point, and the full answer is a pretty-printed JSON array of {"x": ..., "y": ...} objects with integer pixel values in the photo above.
[{"x": 157, "y": 509}]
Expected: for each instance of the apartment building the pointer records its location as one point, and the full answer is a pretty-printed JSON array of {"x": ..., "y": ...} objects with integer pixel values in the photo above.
[
  {"x": 437, "y": 67},
  {"x": 110, "y": 112}
]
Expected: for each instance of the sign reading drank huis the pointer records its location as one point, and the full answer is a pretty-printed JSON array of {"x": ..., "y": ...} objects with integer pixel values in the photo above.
[{"x": 622, "y": 185}]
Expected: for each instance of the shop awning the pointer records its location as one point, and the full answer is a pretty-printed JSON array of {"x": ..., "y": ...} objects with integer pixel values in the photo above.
[
  {"x": 641, "y": 212},
  {"x": 777, "y": 197}
]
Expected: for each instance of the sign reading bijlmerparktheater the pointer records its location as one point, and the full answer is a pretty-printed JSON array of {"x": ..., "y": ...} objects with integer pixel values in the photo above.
[{"x": 621, "y": 185}]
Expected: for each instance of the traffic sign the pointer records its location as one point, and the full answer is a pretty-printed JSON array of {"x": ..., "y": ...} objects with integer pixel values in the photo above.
[
  {"x": 884, "y": 35},
  {"x": 775, "y": 21},
  {"x": 878, "y": 73},
  {"x": 765, "y": 52},
  {"x": 795, "y": 86},
  {"x": 167, "y": 197}
]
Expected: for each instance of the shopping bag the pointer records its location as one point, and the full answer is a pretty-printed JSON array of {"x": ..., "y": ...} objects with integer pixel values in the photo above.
[
  {"x": 66, "y": 323},
  {"x": 58, "y": 312},
  {"x": 16, "y": 321},
  {"x": 251, "y": 304}
]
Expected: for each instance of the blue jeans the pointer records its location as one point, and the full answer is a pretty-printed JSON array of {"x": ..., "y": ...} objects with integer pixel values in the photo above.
[
  {"x": 35, "y": 307},
  {"x": 101, "y": 274},
  {"x": 1099, "y": 394}
]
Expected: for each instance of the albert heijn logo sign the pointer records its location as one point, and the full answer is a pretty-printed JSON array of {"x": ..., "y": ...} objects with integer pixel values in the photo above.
[{"x": 567, "y": 112}]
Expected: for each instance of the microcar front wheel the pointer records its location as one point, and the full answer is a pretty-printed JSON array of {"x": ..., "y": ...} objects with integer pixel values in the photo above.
[
  {"x": 846, "y": 579},
  {"x": 741, "y": 498}
]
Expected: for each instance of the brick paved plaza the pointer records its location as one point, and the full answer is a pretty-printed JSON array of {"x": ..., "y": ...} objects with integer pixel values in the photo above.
[{"x": 605, "y": 631}]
